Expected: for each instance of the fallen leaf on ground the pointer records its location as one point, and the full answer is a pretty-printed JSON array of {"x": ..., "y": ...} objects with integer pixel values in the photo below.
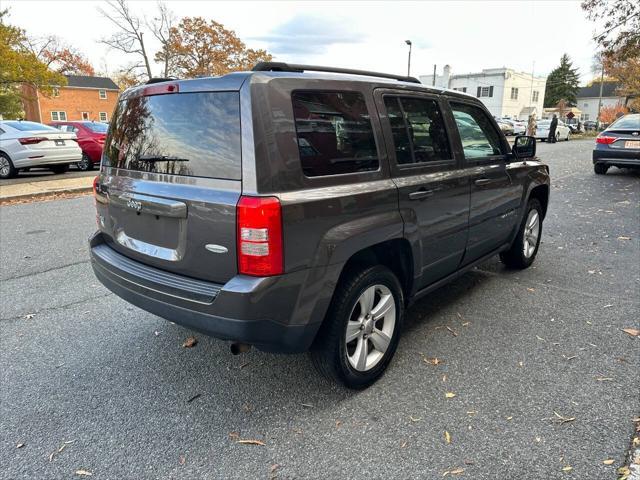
[
  {"x": 20, "y": 445},
  {"x": 604, "y": 379},
  {"x": 564, "y": 419},
  {"x": 252, "y": 442},
  {"x": 472, "y": 412},
  {"x": 307, "y": 405},
  {"x": 190, "y": 342},
  {"x": 182, "y": 460},
  {"x": 608, "y": 461},
  {"x": 624, "y": 472},
  {"x": 447, "y": 437},
  {"x": 433, "y": 361},
  {"x": 244, "y": 365},
  {"x": 453, "y": 332},
  {"x": 608, "y": 306},
  {"x": 416, "y": 419},
  {"x": 567, "y": 468},
  {"x": 274, "y": 467},
  {"x": 404, "y": 444},
  {"x": 456, "y": 471},
  {"x": 84, "y": 473},
  {"x": 466, "y": 324},
  {"x": 622, "y": 237},
  {"x": 29, "y": 316},
  {"x": 509, "y": 418},
  {"x": 449, "y": 394},
  {"x": 531, "y": 289},
  {"x": 56, "y": 452},
  {"x": 634, "y": 332},
  {"x": 234, "y": 435}
]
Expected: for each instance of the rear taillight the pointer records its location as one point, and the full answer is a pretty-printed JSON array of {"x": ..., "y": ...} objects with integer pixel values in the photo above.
[
  {"x": 160, "y": 89},
  {"x": 32, "y": 140},
  {"x": 605, "y": 139},
  {"x": 259, "y": 242},
  {"x": 95, "y": 185}
]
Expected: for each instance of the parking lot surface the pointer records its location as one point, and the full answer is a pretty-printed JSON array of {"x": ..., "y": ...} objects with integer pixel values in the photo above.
[{"x": 545, "y": 381}]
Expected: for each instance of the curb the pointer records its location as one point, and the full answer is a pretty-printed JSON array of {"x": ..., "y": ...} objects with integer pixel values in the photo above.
[{"x": 43, "y": 194}]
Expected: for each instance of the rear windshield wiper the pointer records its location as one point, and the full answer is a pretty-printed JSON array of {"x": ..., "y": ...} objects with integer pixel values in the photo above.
[{"x": 161, "y": 158}]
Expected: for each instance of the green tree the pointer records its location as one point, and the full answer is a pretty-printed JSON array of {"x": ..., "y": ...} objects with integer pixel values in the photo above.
[
  {"x": 562, "y": 83},
  {"x": 20, "y": 65}
]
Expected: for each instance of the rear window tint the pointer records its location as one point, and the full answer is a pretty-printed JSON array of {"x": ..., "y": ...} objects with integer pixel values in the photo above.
[
  {"x": 631, "y": 122},
  {"x": 190, "y": 134},
  {"x": 334, "y": 133}
]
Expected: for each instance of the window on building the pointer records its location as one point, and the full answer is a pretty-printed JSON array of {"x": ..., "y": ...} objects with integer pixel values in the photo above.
[
  {"x": 461, "y": 89},
  {"x": 585, "y": 105},
  {"x": 58, "y": 116},
  {"x": 535, "y": 96},
  {"x": 56, "y": 92},
  {"x": 485, "y": 91},
  {"x": 103, "y": 94},
  {"x": 103, "y": 116},
  {"x": 334, "y": 133},
  {"x": 418, "y": 130},
  {"x": 514, "y": 93},
  {"x": 584, "y": 117},
  {"x": 85, "y": 115}
]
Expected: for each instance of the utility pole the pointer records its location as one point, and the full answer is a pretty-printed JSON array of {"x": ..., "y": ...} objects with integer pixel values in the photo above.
[
  {"x": 600, "y": 98},
  {"x": 408, "y": 42},
  {"x": 434, "y": 75}
]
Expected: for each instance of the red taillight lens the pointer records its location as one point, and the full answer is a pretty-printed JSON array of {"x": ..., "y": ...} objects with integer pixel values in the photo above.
[
  {"x": 606, "y": 140},
  {"x": 32, "y": 140},
  {"x": 259, "y": 242},
  {"x": 160, "y": 89},
  {"x": 95, "y": 185}
]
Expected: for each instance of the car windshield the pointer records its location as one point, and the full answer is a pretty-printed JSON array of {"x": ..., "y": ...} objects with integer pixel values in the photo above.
[
  {"x": 631, "y": 122},
  {"x": 96, "y": 126},
  {"x": 28, "y": 126}
]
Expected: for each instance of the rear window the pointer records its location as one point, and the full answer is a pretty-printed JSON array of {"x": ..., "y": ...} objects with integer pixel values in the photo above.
[
  {"x": 631, "y": 122},
  {"x": 334, "y": 133},
  {"x": 28, "y": 126},
  {"x": 190, "y": 134},
  {"x": 96, "y": 127}
]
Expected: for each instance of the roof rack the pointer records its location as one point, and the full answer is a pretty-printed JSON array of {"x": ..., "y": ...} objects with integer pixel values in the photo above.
[
  {"x": 291, "y": 67},
  {"x": 158, "y": 80}
]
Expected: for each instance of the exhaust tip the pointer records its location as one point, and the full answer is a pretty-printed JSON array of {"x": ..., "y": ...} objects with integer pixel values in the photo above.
[{"x": 238, "y": 348}]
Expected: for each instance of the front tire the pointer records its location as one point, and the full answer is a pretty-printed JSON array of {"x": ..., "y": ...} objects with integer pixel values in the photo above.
[
  {"x": 600, "y": 168},
  {"x": 85, "y": 164},
  {"x": 361, "y": 331},
  {"x": 7, "y": 170},
  {"x": 524, "y": 248},
  {"x": 57, "y": 169}
]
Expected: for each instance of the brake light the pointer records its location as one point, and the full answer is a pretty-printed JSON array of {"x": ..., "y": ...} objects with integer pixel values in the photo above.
[
  {"x": 259, "y": 236},
  {"x": 95, "y": 185},
  {"x": 32, "y": 140},
  {"x": 605, "y": 139},
  {"x": 160, "y": 89}
]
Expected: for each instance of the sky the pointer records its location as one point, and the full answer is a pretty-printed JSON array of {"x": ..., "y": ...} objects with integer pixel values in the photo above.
[{"x": 526, "y": 35}]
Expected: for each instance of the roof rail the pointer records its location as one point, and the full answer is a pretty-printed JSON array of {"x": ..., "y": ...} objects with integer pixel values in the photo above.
[
  {"x": 158, "y": 80},
  {"x": 291, "y": 67}
]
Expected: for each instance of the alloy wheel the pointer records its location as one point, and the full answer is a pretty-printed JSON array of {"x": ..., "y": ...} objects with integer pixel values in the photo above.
[
  {"x": 370, "y": 327},
  {"x": 5, "y": 168},
  {"x": 531, "y": 233}
]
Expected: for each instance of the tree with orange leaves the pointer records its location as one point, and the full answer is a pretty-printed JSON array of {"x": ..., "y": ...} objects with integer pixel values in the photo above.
[
  {"x": 200, "y": 47},
  {"x": 610, "y": 112},
  {"x": 60, "y": 57}
]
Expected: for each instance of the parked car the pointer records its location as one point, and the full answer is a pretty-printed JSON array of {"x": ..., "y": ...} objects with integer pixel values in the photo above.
[
  {"x": 313, "y": 229},
  {"x": 562, "y": 131},
  {"x": 589, "y": 125},
  {"x": 519, "y": 127},
  {"x": 91, "y": 137},
  {"x": 30, "y": 144},
  {"x": 618, "y": 145},
  {"x": 505, "y": 127}
]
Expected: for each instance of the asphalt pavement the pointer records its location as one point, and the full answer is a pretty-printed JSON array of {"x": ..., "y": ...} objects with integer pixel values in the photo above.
[{"x": 546, "y": 382}]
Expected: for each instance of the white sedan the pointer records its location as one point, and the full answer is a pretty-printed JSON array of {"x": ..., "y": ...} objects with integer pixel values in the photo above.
[
  {"x": 29, "y": 144},
  {"x": 519, "y": 128},
  {"x": 562, "y": 130}
]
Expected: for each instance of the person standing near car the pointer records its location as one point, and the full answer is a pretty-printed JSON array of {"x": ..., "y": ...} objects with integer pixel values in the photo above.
[
  {"x": 532, "y": 125},
  {"x": 552, "y": 129}
]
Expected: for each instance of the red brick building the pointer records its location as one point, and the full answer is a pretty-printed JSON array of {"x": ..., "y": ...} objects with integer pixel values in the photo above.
[{"x": 83, "y": 98}]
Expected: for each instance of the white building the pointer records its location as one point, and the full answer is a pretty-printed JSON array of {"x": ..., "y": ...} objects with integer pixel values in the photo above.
[
  {"x": 505, "y": 92},
  {"x": 588, "y": 99}
]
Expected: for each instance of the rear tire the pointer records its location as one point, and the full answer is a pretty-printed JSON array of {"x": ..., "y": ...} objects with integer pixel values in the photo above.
[
  {"x": 57, "y": 169},
  {"x": 85, "y": 164},
  {"x": 524, "y": 248},
  {"x": 7, "y": 170},
  {"x": 368, "y": 305},
  {"x": 600, "y": 168}
]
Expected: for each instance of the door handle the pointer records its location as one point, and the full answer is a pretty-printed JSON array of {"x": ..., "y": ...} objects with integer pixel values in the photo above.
[
  {"x": 420, "y": 194},
  {"x": 482, "y": 181}
]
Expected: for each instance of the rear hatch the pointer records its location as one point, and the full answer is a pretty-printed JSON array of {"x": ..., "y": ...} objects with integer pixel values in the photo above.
[
  {"x": 624, "y": 133},
  {"x": 172, "y": 178}
]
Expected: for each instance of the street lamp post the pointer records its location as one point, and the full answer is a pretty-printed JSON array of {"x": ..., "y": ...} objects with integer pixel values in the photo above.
[{"x": 408, "y": 42}]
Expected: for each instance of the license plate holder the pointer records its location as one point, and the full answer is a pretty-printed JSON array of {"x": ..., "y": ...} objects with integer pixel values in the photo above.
[
  {"x": 59, "y": 143},
  {"x": 632, "y": 144}
]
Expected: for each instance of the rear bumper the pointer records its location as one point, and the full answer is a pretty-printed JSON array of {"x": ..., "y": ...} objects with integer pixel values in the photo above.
[
  {"x": 617, "y": 157},
  {"x": 252, "y": 310},
  {"x": 34, "y": 158}
]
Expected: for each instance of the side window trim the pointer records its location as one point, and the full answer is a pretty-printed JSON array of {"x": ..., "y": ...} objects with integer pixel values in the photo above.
[
  {"x": 477, "y": 160},
  {"x": 432, "y": 165}
]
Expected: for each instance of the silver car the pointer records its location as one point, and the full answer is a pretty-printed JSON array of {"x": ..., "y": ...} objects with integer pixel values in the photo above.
[{"x": 31, "y": 144}]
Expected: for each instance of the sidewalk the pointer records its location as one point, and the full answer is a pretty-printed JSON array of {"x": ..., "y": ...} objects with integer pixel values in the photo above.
[{"x": 44, "y": 188}]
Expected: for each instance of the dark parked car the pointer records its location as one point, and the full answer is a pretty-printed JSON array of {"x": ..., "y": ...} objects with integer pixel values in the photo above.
[
  {"x": 299, "y": 211},
  {"x": 618, "y": 145},
  {"x": 589, "y": 125},
  {"x": 91, "y": 137}
]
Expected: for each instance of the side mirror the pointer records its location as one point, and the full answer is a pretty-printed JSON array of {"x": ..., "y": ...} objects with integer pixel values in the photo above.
[{"x": 524, "y": 147}]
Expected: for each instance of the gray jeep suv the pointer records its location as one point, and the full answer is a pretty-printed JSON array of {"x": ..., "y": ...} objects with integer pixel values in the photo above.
[{"x": 299, "y": 208}]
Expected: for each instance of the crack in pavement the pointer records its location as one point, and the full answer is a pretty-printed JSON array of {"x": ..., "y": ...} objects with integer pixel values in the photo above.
[
  {"x": 59, "y": 307},
  {"x": 18, "y": 277}
]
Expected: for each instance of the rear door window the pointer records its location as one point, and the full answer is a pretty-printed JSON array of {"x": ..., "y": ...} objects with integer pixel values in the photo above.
[
  {"x": 478, "y": 136},
  {"x": 190, "y": 134},
  {"x": 419, "y": 134},
  {"x": 334, "y": 133}
]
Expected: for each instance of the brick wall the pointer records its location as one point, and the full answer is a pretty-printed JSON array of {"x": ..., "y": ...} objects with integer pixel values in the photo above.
[{"x": 74, "y": 101}]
